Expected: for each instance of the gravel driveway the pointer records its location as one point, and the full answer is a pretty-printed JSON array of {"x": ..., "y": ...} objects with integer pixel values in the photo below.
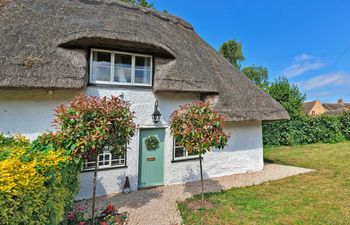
[{"x": 158, "y": 205}]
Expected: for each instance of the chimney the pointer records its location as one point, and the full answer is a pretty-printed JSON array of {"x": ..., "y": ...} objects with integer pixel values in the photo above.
[{"x": 341, "y": 101}]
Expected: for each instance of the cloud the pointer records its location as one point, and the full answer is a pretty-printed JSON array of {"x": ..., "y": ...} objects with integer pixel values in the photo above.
[
  {"x": 301, "y": 64},
  {"x": 330, "y": 79},
  {"x": 302, "y": 57}
]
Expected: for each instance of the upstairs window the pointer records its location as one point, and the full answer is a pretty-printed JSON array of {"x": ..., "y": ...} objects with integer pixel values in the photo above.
[{"x": 121, "y": 68}]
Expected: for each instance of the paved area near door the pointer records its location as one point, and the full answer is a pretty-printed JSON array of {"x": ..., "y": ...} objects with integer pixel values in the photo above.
[{"x": 158, "y": 205}]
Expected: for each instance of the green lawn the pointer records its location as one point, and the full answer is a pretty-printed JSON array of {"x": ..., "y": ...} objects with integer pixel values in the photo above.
[{"x": 321, "y": 197}]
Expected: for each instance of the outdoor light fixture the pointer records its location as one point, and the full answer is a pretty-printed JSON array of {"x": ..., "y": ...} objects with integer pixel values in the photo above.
[{"x": 156, "y": 114}]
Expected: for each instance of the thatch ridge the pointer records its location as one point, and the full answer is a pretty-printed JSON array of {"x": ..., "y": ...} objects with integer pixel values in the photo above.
[{"x": 45, "y": 44}]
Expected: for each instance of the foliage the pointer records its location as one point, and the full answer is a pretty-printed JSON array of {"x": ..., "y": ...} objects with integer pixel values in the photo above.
[
  {"x": 75, "y": 216},
  {"x": 152, "y": 143},
  {"x": 307, "y": 130},
  {"x": 319, "y": 197},
  {"x": 35, "y": 186},
  {"x": 198, "y": 128},
  {"x": 16, "y": 140},
  {"x": 95, "y": 123},
  {"x": 288, "y": 95},
  {"x": 232, "y": 51},
  {"x": 258, "y": 74},
  {"x": 92, "y": 125},
  {"x": 142, "y": 3},
  {"x": 345, "y": 125},
  {"x": 109, "y": 216}
]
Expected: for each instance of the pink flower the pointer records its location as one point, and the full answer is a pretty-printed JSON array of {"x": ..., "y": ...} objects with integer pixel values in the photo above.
[{"x": 81, "y": 223}]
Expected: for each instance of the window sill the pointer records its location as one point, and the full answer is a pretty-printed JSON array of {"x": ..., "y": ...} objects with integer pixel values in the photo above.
[
  {"x": 184, "y": 160},
  {"x": 107, "y": 168},
  {"x": 120, "y": 86}
]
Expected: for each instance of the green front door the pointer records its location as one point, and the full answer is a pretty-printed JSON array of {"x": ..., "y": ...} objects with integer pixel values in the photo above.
[{"x": 151, "y": 161}]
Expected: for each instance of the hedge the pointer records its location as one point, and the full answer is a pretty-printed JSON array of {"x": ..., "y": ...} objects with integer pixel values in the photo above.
[
  {"x": 307, "y": 130},
  {"x": 37, "y": 182}
]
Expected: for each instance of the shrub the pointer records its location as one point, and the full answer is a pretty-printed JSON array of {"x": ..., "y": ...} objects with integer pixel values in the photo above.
[
  {"x": 307, "y": 130},
  {"x": 345, "y": 125},
  {"x": 36, "y": 185},
  {"x": 16, "y": 140}
]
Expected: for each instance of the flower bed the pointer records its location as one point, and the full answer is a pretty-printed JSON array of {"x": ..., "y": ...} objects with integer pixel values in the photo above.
[{"x": 109, "y": 216}]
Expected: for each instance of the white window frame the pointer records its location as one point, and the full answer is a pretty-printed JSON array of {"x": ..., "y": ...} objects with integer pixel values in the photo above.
[
  {"x": 186, "y": 156},
  {"x": 109, "y": 165},
  {"x": 133, "y": 61}
]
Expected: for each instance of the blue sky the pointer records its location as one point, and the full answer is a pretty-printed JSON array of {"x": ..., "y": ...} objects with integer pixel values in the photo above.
[{"x": 303, "y": 40}]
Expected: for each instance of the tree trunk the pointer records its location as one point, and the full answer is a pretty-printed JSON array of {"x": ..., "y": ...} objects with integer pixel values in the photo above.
[
  {"x": 202, "y": 182},
  {"x": 94, "y": 193}
]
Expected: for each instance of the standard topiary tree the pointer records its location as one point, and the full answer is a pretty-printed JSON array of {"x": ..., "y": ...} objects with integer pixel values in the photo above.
[
  {"x": 96, "y": 124},
  {"x": 198, "y": 129}
]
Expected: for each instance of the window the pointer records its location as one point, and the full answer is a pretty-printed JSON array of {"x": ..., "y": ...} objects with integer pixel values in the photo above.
[
  {"x": 112, "y": 67},
  {"x": 105, "y": 160},
  {"x": 180, "y": 152}
]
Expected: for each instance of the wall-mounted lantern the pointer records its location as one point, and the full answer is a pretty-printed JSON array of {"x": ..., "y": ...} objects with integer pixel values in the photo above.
[{"x": 156, "y": 114}]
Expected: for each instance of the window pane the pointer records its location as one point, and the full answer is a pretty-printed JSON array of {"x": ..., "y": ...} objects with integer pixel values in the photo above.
[
  {"x": 101, "y": 66},
  {"x": 123, "y": 61},
  {"x": 142, "y": 76},
  {"x": 179, "y": 152},
  {"x": 142, "y": 70},
  {"x": 105, "y": 160},
  {"x": 192, "y": 153},
  {"x": 122, "y": 75},
  {"x": 122, "y": 68},
  {"x": 142, "y": 63},
  {"x": 118, "y": 160}
]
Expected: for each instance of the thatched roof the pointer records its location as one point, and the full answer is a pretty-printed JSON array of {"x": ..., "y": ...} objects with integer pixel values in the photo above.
[{"x": 44, "y": 44}]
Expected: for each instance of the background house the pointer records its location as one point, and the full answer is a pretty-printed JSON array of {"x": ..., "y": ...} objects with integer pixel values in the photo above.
[
  {"x": 53, "y": 50},
  {"x": 315, "y": 108}
]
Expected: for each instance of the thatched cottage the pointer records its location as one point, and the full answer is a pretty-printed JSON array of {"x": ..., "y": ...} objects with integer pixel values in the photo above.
[{"x": 52, "y": 50}]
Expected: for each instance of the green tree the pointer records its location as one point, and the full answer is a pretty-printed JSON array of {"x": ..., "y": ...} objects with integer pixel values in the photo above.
[
  {"x": 198, "y": 129},
  {"x": 232, "y": 51},
  {"x": 288, "y": 95},
  {"x": 142, "y": 3},
  {"x": 258, "y": 74},
  {"x": 97, "y": 125}
]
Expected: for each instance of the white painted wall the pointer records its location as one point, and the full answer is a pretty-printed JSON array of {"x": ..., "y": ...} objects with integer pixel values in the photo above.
[
  {"x": 142, "y": 103},
  {"x": 244, "y": 153},
  {"x": 30, "y": 112}
]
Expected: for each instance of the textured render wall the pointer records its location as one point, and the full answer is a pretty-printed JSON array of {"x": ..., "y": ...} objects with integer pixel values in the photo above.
[
  {"x": 142, "y": 103},
  {"x": 244, "y": 153},
  {"x": 30, "y": 112}
]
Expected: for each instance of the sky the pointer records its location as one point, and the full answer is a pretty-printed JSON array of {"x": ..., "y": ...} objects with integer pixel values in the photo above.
[{"x": 307, "y": 41}]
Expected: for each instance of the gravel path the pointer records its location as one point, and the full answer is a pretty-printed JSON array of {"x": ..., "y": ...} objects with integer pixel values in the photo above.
[{"x": 158, "y": 205}]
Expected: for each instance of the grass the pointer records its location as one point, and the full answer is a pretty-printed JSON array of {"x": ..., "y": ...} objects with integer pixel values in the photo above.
[{"x": 321, "y": 197}]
